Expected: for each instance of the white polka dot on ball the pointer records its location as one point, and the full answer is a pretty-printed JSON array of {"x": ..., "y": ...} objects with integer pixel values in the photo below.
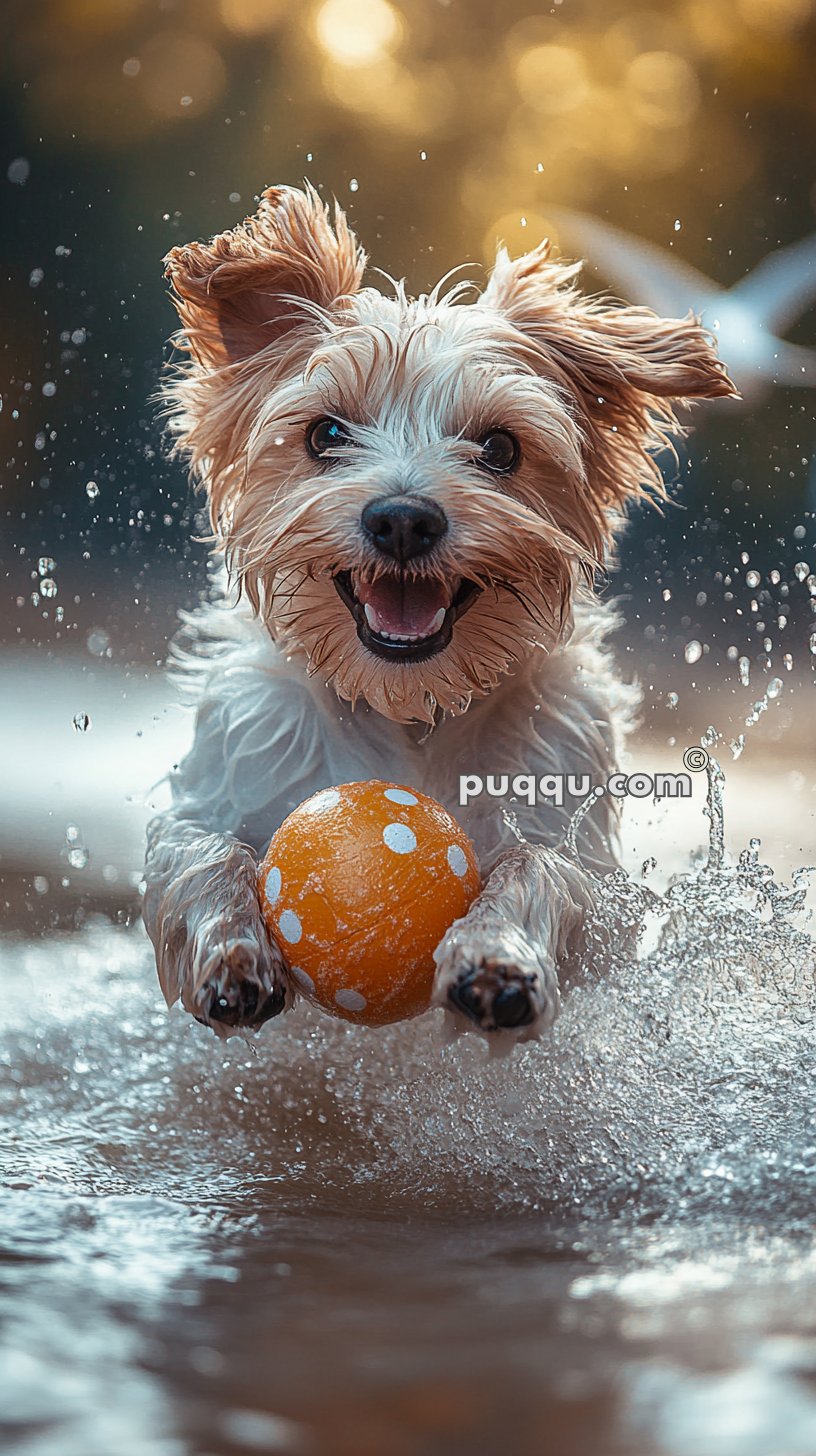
[
  {"x": 303, "y": 979},
  {"x": 273, "y": 884},
  {"x": 326, "y": 799},
  {"x": 399, "y": 838},
  {"x": 350, "y": 1000},
  {"x": 400, "y": 796},
  {"x": 290, "y": 927},
  {"x": 457, "y": 860}
]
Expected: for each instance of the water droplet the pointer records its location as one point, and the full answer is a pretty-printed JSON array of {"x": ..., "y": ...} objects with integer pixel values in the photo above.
[
  {"x": 744, "y": 671},
  {"x": 775, "y": 687},
  {"x": 811, "y": 585},
  {"x": 744, "y": 558},
  {"x": 354, "y": 185},
  {"x": 677, "y": 224},
  {"x": 82, "y": 722},
  {"x": 97, "y": 641},
  {"x": 48, "y": 587},
  {"x": 672, "y": 700},
  {"x": 92, "y": 490},
  {"x": 753, "y": 578},
  {"x": 647, "y": 866},
  {"x": 18, "y": 171},
  {"x": 737, "y": 746},
  {"x": 710, "y": 737},
  {"x": 788, "y": 661},
  {"x": 46, "y": 565},
  {"x": 801, "y": 571},
  {"x": 666, "y": 594},
  {"x": 693, "y": 651},
  {"x": 78, "y": 857},
  {"x": 812, "y": 643}
]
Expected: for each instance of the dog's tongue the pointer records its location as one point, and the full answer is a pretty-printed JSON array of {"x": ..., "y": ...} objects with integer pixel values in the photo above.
[{"x": 404, "y": 607}]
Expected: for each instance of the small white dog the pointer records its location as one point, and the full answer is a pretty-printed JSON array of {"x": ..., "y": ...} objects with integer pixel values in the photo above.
[{"x": 413, "y": 496}]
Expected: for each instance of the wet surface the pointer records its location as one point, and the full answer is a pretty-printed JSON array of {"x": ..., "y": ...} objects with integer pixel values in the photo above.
[
  {"x": 340, "y": 1240},
  {"x": 360, "y": 1241}
]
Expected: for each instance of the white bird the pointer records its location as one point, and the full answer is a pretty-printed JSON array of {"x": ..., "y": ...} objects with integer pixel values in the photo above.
[{"x": 747, "y": 319}]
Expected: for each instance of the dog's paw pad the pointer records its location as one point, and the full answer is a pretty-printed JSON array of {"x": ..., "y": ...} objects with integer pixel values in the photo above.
[
  {"x": 496, "y": 996},
  {"x": 236, "y": 997}
]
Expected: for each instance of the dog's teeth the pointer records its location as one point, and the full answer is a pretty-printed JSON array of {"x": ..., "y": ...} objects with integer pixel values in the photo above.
[
  {"x": 371, "y": 617},
  {"x": 437, "y": 621}
]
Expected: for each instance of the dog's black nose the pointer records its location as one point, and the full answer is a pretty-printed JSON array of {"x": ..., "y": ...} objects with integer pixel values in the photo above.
[{"x": 404, "y": 527}]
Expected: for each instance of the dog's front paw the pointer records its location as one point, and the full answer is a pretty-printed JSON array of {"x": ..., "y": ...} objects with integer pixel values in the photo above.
[
  {"x": 495, "y": 989},
  {"x": 241, "y": 983}
]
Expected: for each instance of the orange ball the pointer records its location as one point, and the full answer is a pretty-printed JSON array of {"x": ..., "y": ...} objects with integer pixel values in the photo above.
[{"x": 358, "y": 887}]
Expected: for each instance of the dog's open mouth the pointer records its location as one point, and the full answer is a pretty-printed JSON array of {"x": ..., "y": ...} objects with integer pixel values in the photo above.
[{"x": 405, "y": 618}]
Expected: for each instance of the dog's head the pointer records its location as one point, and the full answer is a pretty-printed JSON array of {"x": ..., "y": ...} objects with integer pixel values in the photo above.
[{"x": 409, "y": 490}]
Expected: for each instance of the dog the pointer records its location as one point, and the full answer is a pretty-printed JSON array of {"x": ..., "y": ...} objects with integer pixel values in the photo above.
[{"x": 413, "y": 497}]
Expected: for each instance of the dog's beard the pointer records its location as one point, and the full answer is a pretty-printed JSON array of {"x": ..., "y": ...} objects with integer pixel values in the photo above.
[{"x": 492, "y": 628}]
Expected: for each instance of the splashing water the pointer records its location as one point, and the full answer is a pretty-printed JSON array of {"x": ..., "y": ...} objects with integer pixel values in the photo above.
[
  {"x": 652, "y": 1162},
  {"x": 680, "y": 1074}
]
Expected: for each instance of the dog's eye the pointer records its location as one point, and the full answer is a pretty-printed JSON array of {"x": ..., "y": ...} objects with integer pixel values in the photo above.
[
  {"x": 324, "y": 435},
  {"x": 500, "y": 452}
]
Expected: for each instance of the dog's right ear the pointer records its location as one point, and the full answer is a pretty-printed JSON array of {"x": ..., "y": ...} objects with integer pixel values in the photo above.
[{"x": 240, "y": 293}]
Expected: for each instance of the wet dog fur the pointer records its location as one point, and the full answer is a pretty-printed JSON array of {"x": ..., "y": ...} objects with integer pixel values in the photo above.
[{"x": 411, "y": 498}]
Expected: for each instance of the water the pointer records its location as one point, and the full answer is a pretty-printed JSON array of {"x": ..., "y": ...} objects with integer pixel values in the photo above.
[{"x": 337, "y": 1239}]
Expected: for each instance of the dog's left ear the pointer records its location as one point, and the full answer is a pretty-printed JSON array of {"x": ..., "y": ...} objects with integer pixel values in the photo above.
[
  {"x": 242, "y": 292},
  {"x": 624, "y": 366}
]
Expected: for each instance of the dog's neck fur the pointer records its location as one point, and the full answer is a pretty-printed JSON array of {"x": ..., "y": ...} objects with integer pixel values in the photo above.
[{"x": 285, "y": 734}]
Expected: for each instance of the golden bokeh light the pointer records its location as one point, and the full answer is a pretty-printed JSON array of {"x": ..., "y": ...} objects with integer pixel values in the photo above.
[
  {"x": 776, "y": 17},
  {"x": 713, "y": 29},
  {"x": 252, "y": 17},
  {"x": 97, "y": 19},
  {"x": 663, "y": 89},
  {"x": 180, "y": 74},
  {"x": 618, "y": 107},
  {"x": 358, "y": 32},
  {"x": 552, "y": 78},
  {"x": 389, "y": 94}
]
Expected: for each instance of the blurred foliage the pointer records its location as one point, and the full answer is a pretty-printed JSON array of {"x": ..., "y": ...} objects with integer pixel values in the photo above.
[{"x": 443, "y": 126}]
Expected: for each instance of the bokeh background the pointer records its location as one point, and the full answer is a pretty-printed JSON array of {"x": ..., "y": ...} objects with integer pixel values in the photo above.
[{"x": 442, "y": 126}]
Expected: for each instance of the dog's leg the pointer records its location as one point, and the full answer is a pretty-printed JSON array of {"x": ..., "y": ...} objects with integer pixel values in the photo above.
[
  {"x": 497, "y": 967},
  {"x": 202, "y": 913}
]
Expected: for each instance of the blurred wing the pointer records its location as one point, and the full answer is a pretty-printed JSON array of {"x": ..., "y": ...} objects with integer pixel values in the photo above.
[
  {"x": 644, "y": 273},
  {"x": 782, "y": 287}
]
